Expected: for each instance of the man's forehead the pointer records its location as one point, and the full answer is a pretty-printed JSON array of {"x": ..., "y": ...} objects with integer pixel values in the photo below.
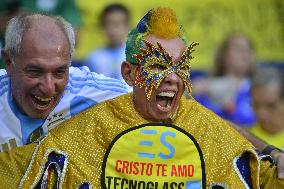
[
  {"x": 175, "y": 47},
  {"x": 43, "y": 26},
  {"x": 44, "y": 40}
]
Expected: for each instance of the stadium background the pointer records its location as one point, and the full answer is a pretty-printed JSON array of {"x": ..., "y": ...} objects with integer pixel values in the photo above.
[{"x": 206, "y": 21}]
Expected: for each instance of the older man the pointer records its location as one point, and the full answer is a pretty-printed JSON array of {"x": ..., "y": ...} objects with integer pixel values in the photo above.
[
  {"x": 38, "y": 91},
  {"x": 151, "y": 138}
]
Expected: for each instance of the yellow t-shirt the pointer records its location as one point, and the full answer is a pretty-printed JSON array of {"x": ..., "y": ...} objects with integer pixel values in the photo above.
[{"x": 273, "y": 139}]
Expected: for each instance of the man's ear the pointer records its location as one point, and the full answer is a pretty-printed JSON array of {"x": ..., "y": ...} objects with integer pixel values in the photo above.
[
  {"x": 7, "y": 60},
  {"x": 128, "y": 73}
]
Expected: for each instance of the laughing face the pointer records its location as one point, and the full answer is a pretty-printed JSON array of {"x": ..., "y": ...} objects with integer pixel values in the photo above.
[
  {"x": 40, "y": 72},
  {"x": 163, "y": 99}
]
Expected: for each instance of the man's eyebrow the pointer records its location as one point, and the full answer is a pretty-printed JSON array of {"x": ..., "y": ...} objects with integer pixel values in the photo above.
[
  {"x": 32, "y": 67},
  {"x": 63, "y": 67}
]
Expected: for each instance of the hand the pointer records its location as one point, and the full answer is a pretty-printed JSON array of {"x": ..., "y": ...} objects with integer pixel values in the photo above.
[{"x": 279, "y": 157}]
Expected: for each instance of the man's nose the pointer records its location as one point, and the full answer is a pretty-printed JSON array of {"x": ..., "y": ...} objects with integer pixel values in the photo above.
[
  {"x": 172, "y": 78},
  {"x": 48, "y": 85}
]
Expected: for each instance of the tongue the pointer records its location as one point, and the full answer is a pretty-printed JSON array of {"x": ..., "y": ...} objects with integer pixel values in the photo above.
[{"x": 162, "y": 101}]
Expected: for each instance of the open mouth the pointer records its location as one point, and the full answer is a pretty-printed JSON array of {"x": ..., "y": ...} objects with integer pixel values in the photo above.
[
  {"x": 41, "y": 101},
  {"x": 165, "y": 100}
]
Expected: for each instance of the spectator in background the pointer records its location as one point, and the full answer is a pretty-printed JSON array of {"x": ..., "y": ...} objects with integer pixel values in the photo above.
[
  {"x": 227, "y": 92},
  {"x": 107, "y": 60},
  {"x": 8, "y": 9},
  {"x": 268, "y": 100},
  {"x": 65, "y": 8}
]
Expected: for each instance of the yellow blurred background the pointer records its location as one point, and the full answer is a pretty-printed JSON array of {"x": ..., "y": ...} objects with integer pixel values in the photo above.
[{"x": 206, "y": 21}]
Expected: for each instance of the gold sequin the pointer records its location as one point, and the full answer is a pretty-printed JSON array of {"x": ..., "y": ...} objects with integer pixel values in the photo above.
[{"x": 86, "y": 137}]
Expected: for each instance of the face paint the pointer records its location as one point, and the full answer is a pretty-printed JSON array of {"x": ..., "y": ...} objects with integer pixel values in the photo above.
[{"x": 155, "y": 64}]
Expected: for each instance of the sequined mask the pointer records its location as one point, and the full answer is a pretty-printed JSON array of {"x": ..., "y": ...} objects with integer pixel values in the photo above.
[{"x": 155, "y": 64}]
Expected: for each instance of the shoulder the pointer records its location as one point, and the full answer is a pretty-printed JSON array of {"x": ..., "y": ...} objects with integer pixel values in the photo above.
[
  {"x": 211, "y": 125},
  {"x": 3, "y": 72},
  {"x": 85, "y": 89},
  {"x": 4, "y": 80},
  {"x": 83, "y": 75},
  {"x": 86, "y": 121},
  {"x": 195, "y": 108},
  {"x": 3, "y": 75}
]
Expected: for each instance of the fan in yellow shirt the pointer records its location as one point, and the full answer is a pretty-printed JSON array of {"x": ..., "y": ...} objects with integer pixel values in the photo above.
[{"x": 268, "y": 100}]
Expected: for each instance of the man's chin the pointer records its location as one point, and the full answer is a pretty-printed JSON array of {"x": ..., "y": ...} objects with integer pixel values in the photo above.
[
  {"x": 163, "y": 113},
  {"x": 38, "y": 115},
  {"x": 158, "y": 117}
]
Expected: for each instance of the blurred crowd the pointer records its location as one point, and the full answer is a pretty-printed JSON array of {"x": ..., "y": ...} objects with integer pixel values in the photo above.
[
  {"x": 240, "y": 87},
  {"x": 244, "y": 91}
]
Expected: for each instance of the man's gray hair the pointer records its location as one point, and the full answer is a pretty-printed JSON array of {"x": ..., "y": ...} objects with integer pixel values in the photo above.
[{"x": 18, "y": 25}]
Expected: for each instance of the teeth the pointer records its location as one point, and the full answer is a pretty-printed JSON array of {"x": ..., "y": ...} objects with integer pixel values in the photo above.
[
  {"x": 167, "y": 94},
  {"x": 43, "y": 99}
]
